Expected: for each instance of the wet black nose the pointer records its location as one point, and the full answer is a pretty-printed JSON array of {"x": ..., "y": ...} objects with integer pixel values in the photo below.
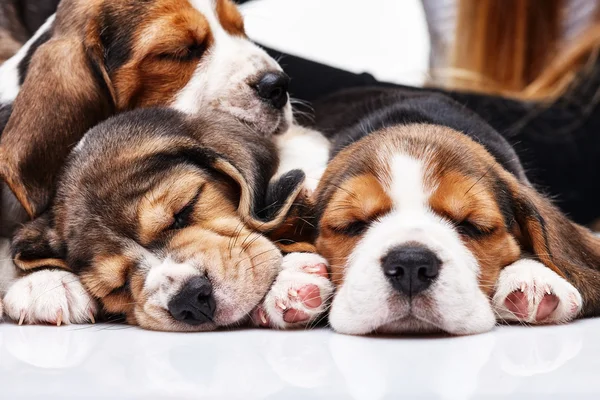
[
  {"x": 194, "y": 304},
  {"x": 272, "y": 87},
  {"x": 411, "y": 269}
]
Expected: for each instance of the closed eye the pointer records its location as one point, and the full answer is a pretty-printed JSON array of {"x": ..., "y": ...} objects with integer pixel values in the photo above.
[
  {"x": 354, "y": 228},
  {"x": 186, "y": 53},
  {"x": 183, "y": 217},
  {"x": 470, "y": 229}
]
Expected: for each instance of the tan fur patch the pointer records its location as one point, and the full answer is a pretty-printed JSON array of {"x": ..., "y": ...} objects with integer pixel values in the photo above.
[
  {"x": 460, "y": 197},
  {"x": 158, "y": 67},
  {"x": 157, "y": 208},
  {"x": 230, "y": 17},
  {"x": 46, "y": 262},
  {"x": 360, "y": 198}
]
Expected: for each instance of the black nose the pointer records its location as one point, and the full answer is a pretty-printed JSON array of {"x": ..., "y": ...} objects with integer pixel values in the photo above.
[
  {"x": 272, "y": 87},
  {"x": 194, "y": 304},
  {"x": 411, "y": 269}
]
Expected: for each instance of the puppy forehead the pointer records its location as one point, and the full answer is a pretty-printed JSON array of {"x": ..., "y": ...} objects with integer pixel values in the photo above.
[
  {"x": 407, "y": 182},
  {"x": 412, "y": 164}
]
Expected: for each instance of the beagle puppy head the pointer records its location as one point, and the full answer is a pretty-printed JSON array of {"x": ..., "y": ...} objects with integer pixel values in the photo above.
[
  {"x": 161, "y": 216},
  {"x": 95, "y": 58},
  {"x": 417, "y": 221}
]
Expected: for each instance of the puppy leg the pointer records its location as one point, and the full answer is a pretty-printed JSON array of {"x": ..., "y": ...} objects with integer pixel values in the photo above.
[
  {"x": 299, "y": 296},
  {"x": 304, "y": 149},
  {"x": 528, "y": 291},
  {"x": 50, "y": 296}
]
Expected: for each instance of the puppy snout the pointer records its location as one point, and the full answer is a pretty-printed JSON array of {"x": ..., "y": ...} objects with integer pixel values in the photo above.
[
  {"x": 194, "y": 304},
  {"x": 272, "y": 88},
  {"x": 410, "y": 269}
]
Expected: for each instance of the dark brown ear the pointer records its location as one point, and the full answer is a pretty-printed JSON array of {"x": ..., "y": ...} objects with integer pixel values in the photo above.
[
  {"x": 565, "y": 247},
  {"x": 37, "y": 245},
  {"x": 264, "y": 211},
  {"x": 298, "y": 230},
  {"x": 66, "y": 92}
]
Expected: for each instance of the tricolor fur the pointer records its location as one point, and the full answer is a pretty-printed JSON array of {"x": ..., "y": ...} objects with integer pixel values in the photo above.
[
  {"x": 93, "y": 59},
  {"x": 429, "y": 223}
]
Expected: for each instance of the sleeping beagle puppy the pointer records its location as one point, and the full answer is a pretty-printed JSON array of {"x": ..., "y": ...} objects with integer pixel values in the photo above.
[
  {"x": 96, "y": 58},
  {"x": 429, "y": 223},
  {"x": 163, "y": 218}
]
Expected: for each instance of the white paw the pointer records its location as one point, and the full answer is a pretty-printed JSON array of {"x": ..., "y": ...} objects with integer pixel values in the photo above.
[
  {"x": 528, "y": 291},
  {"x": 300, "y": 294},
  {"x": 50, "y": 296}
]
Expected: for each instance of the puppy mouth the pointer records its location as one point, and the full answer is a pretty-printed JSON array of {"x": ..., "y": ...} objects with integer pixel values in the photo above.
[
  {"x": 258, "y": 116},
  {"x": 264, "y": 128},
  {"x": 418, "y": 316}
]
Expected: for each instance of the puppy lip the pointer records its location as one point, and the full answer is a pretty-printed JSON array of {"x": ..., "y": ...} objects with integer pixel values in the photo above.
[
  {"x": 410, "y": 316},
  {"x": 277, "y": 128}
]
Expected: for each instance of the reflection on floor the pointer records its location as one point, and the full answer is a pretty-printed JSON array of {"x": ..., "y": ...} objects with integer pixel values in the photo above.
[{"x": 124, "y": 362}]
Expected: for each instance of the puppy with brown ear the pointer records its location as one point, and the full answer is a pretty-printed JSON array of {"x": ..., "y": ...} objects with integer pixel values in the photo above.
[
  {"x": 163, "y": 217},
  {"x": 429, "y": 224},
  {"x": 96, "y": 58}
]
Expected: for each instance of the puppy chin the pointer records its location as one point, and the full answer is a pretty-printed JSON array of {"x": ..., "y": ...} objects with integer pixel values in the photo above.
[
  {"x": 258, "y": 116},
  {"x": 155, "y": 319},
  {"x": 382, "y": 311},
  {"x": 413, "y": 320}
]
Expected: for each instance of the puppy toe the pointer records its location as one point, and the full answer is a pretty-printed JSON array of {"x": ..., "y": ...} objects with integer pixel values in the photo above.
[
  {"x": 546, "y": 307},
  {"x": 517, "y": 303}
]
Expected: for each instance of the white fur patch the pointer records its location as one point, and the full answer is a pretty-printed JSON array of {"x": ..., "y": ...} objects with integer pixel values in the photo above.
[
  {"x": 366, "y": 301},
  {"x": 304, "y": 149},
  {"x": 9, "y": 71},
  {"x": 222, "y": 78},
  {"x": 166, "y": 279},
  {"x": 49, "y": 296},
  {"x": 536, "y": 280}
]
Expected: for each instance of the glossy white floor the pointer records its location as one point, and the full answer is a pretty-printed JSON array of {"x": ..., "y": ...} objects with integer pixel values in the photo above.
[{"x": 114, "y": 361}]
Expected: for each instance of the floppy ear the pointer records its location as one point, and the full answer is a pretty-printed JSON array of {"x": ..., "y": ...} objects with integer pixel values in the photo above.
[
  {"x": 298, "y": 230},
  {"x": 66, "y": 91},
  {"x": 264, "y": 210},
  {"x": 37, "y": 245},
  {"x": 569, "y": 249}
]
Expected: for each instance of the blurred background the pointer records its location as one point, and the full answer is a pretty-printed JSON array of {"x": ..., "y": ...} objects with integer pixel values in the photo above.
[{"x": 386, "y": 38}]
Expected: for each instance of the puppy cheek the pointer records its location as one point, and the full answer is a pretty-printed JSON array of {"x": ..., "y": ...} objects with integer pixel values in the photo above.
[
  {"x": 138, "y": 299},
  {"x": 242, "y": 277},
  {"x": 336, "y": 251},
  {"x": 493, "y": 255}
]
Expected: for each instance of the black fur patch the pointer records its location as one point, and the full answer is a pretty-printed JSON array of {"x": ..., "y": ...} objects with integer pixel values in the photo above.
[
  {"x": 37, "y": 248},
  {"x": 278, "y": 193},
  {"x": 505, "y": 201},
  {"x": 117, "y": 28},
  {"x": 5, "y": 111},
  {"x": 34, "y": 13},
  {"x": 350, "y": 115},
  {"x": 23, "y": 66}
]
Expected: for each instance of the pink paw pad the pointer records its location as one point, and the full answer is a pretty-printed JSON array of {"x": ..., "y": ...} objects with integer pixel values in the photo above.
[
  {"x": 517, "y": 303},
  {"x": 547, "y": 306}
]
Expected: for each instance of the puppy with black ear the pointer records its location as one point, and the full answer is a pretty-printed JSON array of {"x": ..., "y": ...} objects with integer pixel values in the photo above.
[
  {"x": 429, "y": 223},
  {"x": 162, "y": 217}
]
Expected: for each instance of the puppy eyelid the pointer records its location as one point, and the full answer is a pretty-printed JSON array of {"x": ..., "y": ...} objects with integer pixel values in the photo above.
[
  {"x": 468, "y": 228},
  {"x": 185, "y": 53},
  {"x": 182, "y": 217},
  {"x": 354, "y": 228}
]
